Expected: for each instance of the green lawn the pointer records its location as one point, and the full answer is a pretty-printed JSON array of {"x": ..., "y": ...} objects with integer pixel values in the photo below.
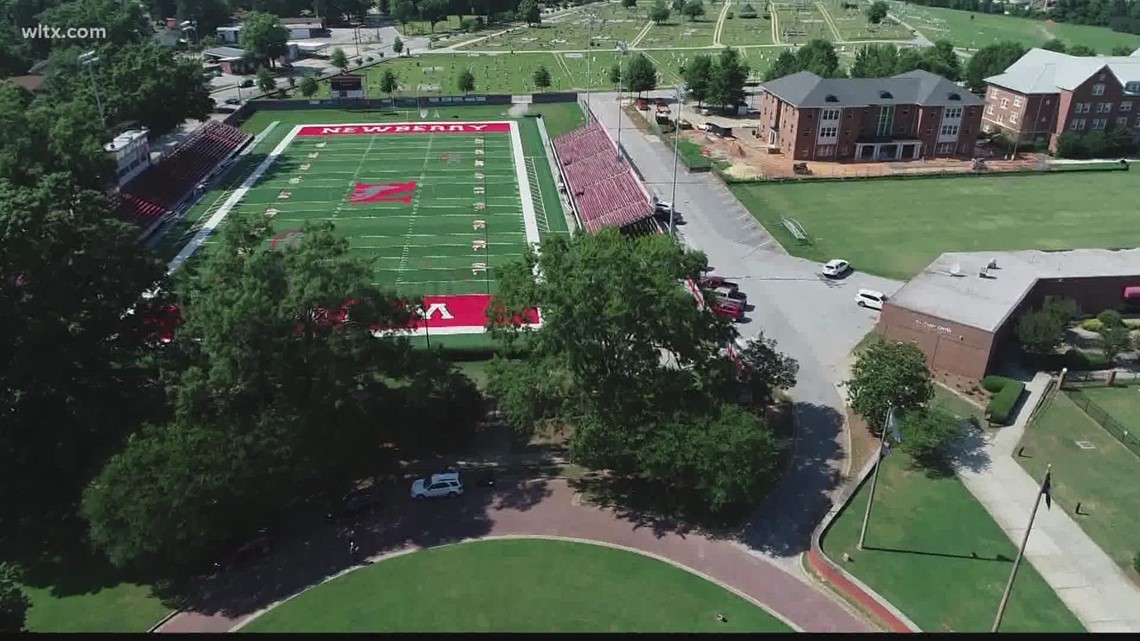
[
  {"x": 746, "y": 31},
  {"x": 974, "y": 30},
  {"x": 518, "y": 586},
  {"x": 894, "y": 228},
  {"x": 612, "y": 24},
  {"x": 797, "y": 26},
  {"x": 679, "y": 31},
  {"x": 935, "y": 553},
  {"x": 957, "y": 405},
  {"x": 1102, "y": 479},
  {"x": 853, "y": 23},
  {"x": 124, "y": 607}
]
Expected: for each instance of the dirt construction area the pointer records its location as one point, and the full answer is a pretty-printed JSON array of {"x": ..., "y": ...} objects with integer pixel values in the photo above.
[{"x": 749, "y": 159}]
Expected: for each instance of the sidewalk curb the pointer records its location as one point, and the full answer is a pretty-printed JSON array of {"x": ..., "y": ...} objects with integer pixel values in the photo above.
[
  {"x": 842, "y": 582},
  {"x": 163, "y": 621}
]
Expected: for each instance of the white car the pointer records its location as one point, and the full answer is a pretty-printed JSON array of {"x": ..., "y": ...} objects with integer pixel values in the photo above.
[
  {"x": 448, "y": 484},
  {"x": 871, "y": 299},
  {"x": 835, "y": 267}
]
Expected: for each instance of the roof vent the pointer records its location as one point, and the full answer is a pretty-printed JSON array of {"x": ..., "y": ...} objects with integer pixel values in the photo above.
[
  {"x": 956, "y": 269},
  {"x": 830, "y": 98},
  {"x": 955, "y": 96},
  {"x": 886, "y": 95},
  {"x": 992, "y": 264}
]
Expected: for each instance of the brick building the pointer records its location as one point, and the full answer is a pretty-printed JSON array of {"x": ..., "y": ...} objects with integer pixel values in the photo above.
[
  {"x": 960, "y": 310},
  {"x": 913, "y": 115},
  {"x": 1045, "y": 93}
]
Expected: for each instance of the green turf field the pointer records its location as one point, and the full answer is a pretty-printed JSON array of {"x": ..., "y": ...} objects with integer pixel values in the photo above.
[
  {"x": 935, "y": 553},
  {"x": 518, "y": 586},
  {"x": 894, "y": 228},
  {"x": 974, "y": 30},
  {"x": 1101, "y": 476},
  {"x": 450, "y": 208}
]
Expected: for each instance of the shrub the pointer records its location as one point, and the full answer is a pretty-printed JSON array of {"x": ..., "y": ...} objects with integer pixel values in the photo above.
[
  {"x": 1077, "y": 360},
  {"x": 1002, "y": 404},
  {"x": 1132, "y": 323},
  {"x": 1110, "y": 318},
  {"x": 1136, "y": 562},
  {"x": 1092, "y": 325},
  {"x": 994, "y": 384}
]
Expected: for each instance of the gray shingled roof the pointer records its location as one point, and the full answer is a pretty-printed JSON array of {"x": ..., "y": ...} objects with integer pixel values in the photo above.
[
  {"x": 224, "y": 52},
  {"x": 1043, "y": 71},
  {"x": 805, "y": 89},
  {"x": 950, "y": 287}
]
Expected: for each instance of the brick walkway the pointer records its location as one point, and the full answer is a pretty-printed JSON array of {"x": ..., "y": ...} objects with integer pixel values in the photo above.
[{"x": 536, "y": 507}]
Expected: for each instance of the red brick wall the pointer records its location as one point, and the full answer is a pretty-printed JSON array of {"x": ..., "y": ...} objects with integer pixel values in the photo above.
[{"x": 949, "y": 346}]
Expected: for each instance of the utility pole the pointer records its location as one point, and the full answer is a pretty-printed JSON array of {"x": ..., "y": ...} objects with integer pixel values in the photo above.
[
  {"x": 589, "y": 61},
  {"x": 621, "y": 60},
  {"x": 1043, "y": 491},
  {"x": 87, "y": 60},
  {"x": 680, "y": 94},
  {"x": 875, "y": 479}
]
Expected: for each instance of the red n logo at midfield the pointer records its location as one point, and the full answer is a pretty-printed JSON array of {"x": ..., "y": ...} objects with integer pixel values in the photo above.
[{"x": 383, "y": 193}]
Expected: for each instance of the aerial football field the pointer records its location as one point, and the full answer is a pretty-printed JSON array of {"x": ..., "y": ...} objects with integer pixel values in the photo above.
[{"x": 436, "y": 207}]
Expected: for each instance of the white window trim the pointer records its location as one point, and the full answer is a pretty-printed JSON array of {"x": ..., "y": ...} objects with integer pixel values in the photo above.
[{"x": 1098, "y": 89}]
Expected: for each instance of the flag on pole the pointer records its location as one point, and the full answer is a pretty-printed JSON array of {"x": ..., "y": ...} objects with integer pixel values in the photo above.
[
  {"x": 893, "y": 424},
  {"x": 1047, "y": 490}
]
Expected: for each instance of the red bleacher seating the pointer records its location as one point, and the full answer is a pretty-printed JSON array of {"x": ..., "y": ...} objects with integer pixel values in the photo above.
[
  {"x": 604, "y": 189},
  {"x": 159, "y": 189}
]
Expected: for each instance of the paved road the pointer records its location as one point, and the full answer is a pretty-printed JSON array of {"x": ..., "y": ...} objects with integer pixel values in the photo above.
[
  {"x": 548, "y": 508},
  {"x": 813, "y": 319}
]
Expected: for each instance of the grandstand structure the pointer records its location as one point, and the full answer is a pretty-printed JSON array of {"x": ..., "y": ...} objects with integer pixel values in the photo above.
[
  {"x": 158, "y": 192},
  {"x": 602, "y": 187}
]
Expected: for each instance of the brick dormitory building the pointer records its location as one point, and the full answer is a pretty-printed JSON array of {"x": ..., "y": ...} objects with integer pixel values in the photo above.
[
  {"x": 913, "y": 115},
  {"x": 1045, "y": 94}
]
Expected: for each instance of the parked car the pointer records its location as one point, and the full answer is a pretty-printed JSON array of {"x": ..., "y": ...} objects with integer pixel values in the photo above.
[
  {"x": 232, "y": 101},
  {"x": 728, "y": 308},
  {"x": 240, "y": 549},
  {"x": 248, "y": 82},
  {"x": 836, "y": 267},
  {"x": 448, "y": 484},
  {"x": 357, "y": 502},
  {"x": 711, "y": 281},
  {"x": 730, "y": 292},
  {"x": 870, "y": 298}
]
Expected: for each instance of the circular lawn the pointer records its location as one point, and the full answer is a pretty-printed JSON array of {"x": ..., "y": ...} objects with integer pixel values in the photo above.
[{"x": 518, "y": 585}]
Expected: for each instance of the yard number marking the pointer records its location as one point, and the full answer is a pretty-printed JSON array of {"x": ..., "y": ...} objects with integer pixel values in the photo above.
[
  {"x": 478, "y": 268},
  {"x": 477, "y": 245},
  {"x": 479, "y": 223}
]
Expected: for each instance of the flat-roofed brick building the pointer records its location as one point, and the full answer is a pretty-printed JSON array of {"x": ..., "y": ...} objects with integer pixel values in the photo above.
[{"x": 913, "y": 115}]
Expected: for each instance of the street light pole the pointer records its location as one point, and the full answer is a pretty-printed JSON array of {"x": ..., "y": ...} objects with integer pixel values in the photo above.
[
  {"x": 680, "y": 94},
  {"x": 621, "y": 60},
  {"x": 875, "y": 478},
  {"x": 589, "y": 61},
  {"x": 87, "y": 60}
]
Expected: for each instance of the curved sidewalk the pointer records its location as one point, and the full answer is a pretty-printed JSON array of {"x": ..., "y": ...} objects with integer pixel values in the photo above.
[{"x": 550, "y": 508}]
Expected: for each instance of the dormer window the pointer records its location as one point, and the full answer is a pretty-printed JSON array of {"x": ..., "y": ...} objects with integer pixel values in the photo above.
[
  {"x": 886, "y": 95},
  {"x": 830, "y": 98},
  {"x": 955, "y": 96}
]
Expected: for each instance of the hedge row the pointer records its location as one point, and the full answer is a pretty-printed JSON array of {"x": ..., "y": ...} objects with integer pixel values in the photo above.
[
  {"x": 1003, "y": 402},
  {"x": 994, "y": 384}
]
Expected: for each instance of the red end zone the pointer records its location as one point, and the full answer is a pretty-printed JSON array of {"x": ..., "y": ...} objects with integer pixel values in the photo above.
[
  {"x": 406, "y": 128},
  {"x": 463, "y": 314}
]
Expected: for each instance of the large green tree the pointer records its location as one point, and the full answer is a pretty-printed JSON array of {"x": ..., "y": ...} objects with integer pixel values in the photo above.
[
  {"x": 882, "y": 60},
  {"x": 433, "y": 11},
  {"x": 640, "y": 75},
  {"x": 627, "y": 359},
  {"x": 693, "y": 9},
  {"x": 697, "y": 73},
  {"x": 888, "y": 374},
  {"x": 14, "y": 603},
  {"x": 263, "y": 37},
  {"x": 71, "y": 379},
  {"x": 726, "y": 86},
  {"x": 817, "y": 56},
  {"x": 530, "y": 12},
  {"x": 279, "y": 392},
  {"x": 659, "y": 13},
  {"x": 404, "y": 11},
  {"x": 927, "y": 434}
]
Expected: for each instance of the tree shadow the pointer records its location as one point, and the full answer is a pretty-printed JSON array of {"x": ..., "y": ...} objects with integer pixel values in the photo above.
[
  {"x": 314, "y": 550},
  {"x": 653, "y": 505},
  {"x": 783, "y": 524},
  {"x": 54, "y": 554},
  {"x": 969, "y": 453},
  {"x": 999, "y": 558}
]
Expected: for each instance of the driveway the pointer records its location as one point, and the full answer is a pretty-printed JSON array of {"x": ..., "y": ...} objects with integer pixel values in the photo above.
[
  {"x": 537, "y": 507},
  {"x": 812, "y": 318}
]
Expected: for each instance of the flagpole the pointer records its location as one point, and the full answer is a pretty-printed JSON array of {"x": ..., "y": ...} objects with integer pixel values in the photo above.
[
  {"x": 1042, "y": 491},
  {"x": 875, "y": 478}
]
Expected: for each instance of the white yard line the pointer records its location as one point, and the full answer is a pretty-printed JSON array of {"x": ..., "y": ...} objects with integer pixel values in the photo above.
[
  {"x": 412, "y": 216},
  {"x": 230, "y": 203},
  {"x": 530, "y": 222}
]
